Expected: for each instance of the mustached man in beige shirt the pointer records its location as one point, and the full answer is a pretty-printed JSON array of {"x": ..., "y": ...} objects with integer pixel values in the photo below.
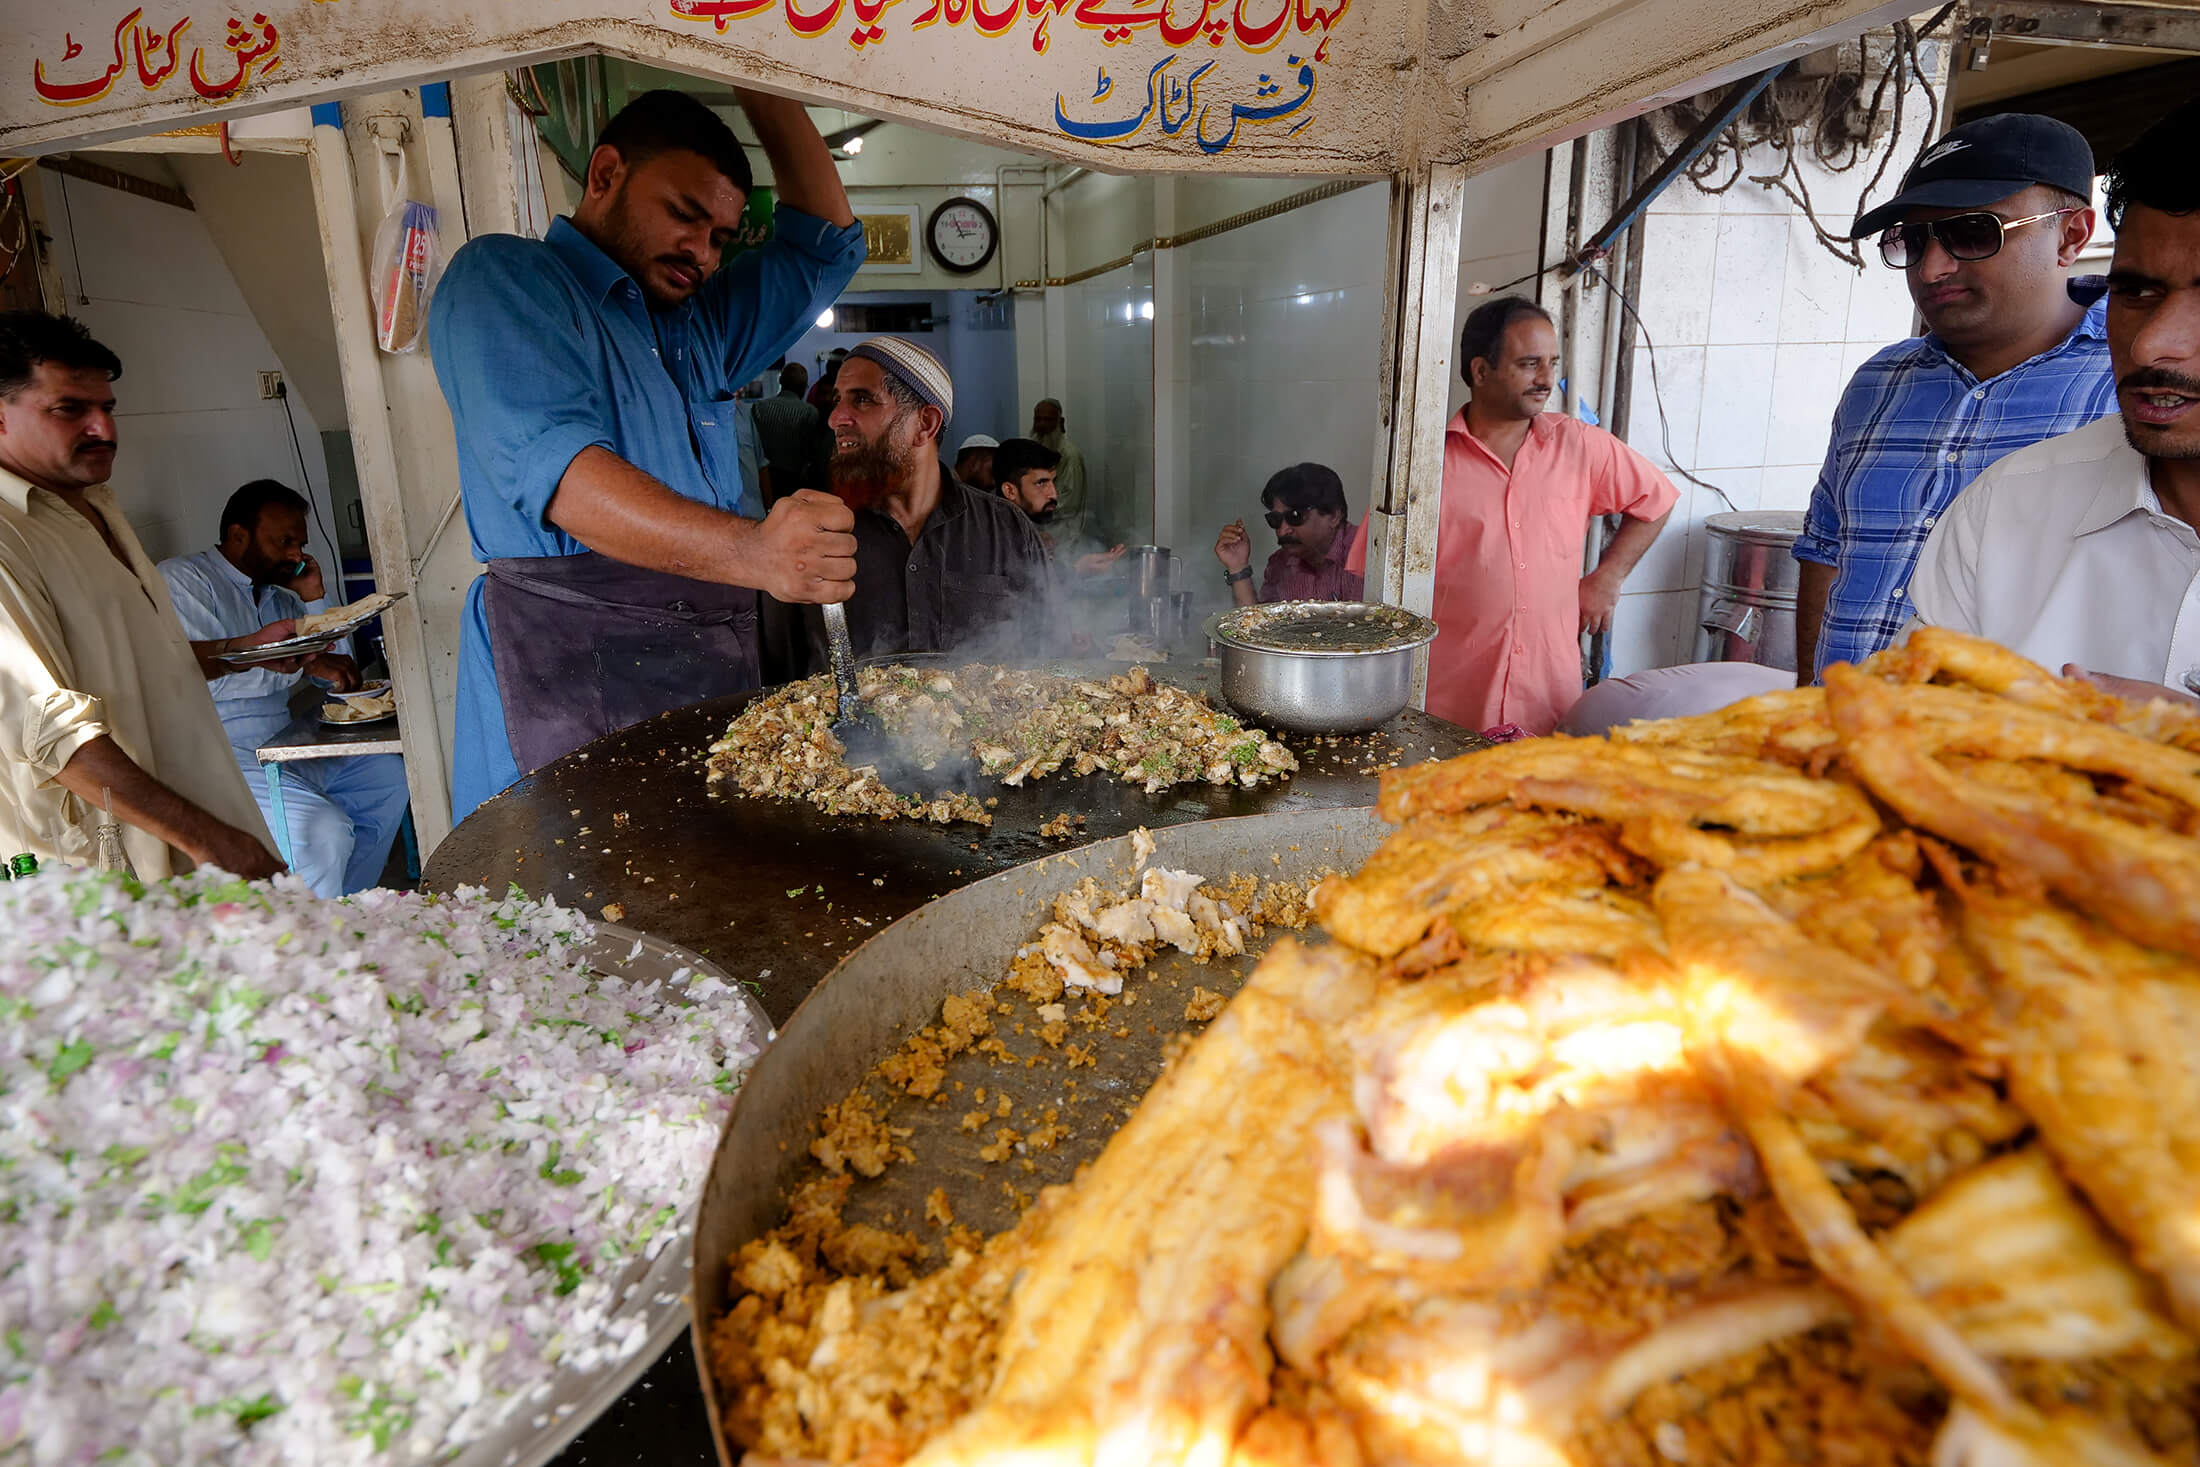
[{"x": 99, "y": 688}]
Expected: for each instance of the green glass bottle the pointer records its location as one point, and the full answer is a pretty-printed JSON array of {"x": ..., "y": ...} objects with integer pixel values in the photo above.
[{"x": 25, "y": 864}]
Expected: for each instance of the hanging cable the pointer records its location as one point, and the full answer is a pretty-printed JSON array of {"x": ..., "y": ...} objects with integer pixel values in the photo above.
[
  {"x": 61, "y": 182},
  {"x": 1824, "y": 115},
  {"x": 1657, "y": 388}
]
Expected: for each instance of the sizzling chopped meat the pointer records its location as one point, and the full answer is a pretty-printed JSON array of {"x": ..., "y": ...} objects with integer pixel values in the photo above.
[{"x": 1015, "y": 724}]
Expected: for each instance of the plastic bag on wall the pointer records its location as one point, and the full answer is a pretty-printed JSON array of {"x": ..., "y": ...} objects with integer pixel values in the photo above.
[{"x": 406, "y": 263}]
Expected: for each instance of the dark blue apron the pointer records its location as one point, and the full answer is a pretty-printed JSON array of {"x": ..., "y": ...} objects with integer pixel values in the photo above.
[{"x": 585, "y": 645}]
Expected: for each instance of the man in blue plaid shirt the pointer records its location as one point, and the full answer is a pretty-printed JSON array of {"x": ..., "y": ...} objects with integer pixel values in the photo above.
[{"x": 1987, "y": 222}]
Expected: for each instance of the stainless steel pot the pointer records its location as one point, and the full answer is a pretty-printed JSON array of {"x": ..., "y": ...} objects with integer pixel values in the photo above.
[
  {"x": 1309, "y": 688},
  {"x": 1149, "y": 567},
  {"x": 1745, "y": 609}
]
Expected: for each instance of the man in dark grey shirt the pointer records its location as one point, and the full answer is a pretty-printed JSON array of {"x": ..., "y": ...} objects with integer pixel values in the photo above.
[
  {"x": 940, "y": 566},
  {"x": 792, "y": 437}
]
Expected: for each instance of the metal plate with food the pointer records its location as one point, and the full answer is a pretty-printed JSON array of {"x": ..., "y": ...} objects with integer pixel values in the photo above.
[
  {"x": 1778, "y": 1084},
  {"x": 393, "y": 1180},
  {"x": 318, "y": 632},
  {"x": 371, "y": 704}
]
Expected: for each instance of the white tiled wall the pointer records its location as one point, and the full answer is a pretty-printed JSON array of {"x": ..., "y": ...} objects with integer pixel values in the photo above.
[
  {"x": 1757, "y": 328},
  {"x": 1498, "y": 235},
  {"x": 1282, "y": 321},
  {"x": 190, "y": 421},
  {"x": 1107, "y": 394}
]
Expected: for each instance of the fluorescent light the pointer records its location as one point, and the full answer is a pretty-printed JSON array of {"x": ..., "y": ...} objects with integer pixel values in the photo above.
[
  {"x": 825, "y": 321},
  {"x": 1145, "y": 308},
  {"x": 853, "y": 146}
]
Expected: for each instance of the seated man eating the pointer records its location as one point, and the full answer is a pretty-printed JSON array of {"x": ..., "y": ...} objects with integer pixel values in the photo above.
[{"x": 340, "y": 816}]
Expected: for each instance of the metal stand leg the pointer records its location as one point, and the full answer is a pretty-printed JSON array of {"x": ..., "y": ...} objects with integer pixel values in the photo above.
[{"x": 273, "y": 771}]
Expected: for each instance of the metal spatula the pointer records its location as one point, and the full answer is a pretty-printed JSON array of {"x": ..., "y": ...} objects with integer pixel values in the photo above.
[
  {"x": 851, "y": 722},
  {"x": 865, "y": 741}
]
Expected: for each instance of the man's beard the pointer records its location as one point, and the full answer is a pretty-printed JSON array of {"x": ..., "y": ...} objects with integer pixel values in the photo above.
[
  {"x": 1042, "y": 516},
  {"x": 627, "y": 247},
  {"x": 864, "y": 475}
]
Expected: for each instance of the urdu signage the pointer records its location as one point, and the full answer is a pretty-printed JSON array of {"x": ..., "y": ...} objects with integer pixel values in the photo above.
[{"x": 1291, "y": 86}]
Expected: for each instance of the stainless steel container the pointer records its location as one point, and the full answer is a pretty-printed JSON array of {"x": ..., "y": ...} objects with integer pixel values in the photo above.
[
  {"x": 1310, "y": 688},
  {"x": 1149, "y": 570},
  {"x": 1745, "y": 609}
]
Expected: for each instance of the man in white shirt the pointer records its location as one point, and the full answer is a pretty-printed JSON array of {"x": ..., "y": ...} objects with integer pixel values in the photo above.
[
  {"x": 2081, "y": 551},
  {"x": 101, "y": 695},
  {"x": 340, "y": 816}
]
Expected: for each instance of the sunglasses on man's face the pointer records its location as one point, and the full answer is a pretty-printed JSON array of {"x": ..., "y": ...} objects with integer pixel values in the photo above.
[
  {"x": 1964, "y": 236},
  {"x": 1277, "y": 519}
]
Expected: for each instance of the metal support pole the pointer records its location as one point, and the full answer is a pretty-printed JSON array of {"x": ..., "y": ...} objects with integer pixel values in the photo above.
[
  {"x": 367, "y": 398},
  {"x": 1415, "y": 384}
]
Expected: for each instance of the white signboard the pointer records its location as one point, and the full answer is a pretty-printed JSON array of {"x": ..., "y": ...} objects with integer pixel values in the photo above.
[{"x": 1242, "y": 86}]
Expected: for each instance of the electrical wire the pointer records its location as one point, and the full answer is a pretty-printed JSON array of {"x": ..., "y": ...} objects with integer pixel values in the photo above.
[
  {"x": 1657, "y": 389},
  {"x": 282, "y": 395},
  {"x": 61, "y": 183}
]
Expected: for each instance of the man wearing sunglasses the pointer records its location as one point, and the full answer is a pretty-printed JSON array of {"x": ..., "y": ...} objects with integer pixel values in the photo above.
[
  {"x": 1986, "y": 224},
  {"x": 1314, "y": 558},
  {"x": 2081, "y": 552}
]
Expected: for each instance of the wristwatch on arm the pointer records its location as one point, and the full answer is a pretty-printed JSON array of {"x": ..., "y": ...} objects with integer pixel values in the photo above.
[{"x": 1233, "y": 577}]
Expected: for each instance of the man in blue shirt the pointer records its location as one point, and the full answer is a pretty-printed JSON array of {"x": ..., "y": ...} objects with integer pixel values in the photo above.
[
  {"x": 591, "y": 378},
  {"x": 340, "y": 816},
  {"x": 1986, "y": 224}
]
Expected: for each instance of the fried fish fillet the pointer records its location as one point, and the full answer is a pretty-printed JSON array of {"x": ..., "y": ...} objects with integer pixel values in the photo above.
[
  {"x": 1937, "y": 654},
  {"x": 1139, "y": 1332},
  {"x": 1623, "y": 782},
  {"x": 2143, "y": 881},
  {"x": 1790, "y": 727},
  {"x": 2020, "y": 1268},
  {"x": 2102, "y": 1036},
  {"x": 1440, "y": 862}
]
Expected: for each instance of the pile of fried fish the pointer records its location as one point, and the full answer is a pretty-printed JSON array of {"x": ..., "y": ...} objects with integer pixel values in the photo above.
[{"x": 1814, "y": 1081}]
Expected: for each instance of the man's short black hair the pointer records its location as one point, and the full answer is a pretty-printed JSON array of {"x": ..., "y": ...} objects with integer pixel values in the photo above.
[
  {"x": 247, "y": 505},
  {"x": 662, "y": 120},
  {"x": 1017, "y": 457},
  {"x": 1484, "y": 334},
  {"x": 1305, "y": 486},
  {"x": 30, "y": 337},
  {"x": 794, "y": 377},
  {"x": 2157, "y": 171}
]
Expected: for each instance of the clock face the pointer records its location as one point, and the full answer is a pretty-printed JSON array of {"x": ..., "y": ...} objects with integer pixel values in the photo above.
[{"x": 962, "y": 235}]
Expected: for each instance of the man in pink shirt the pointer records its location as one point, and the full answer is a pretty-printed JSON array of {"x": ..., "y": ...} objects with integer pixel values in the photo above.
[
  {"x": 1318, "y": 555},
  {"x": 1520, "y": 488}
]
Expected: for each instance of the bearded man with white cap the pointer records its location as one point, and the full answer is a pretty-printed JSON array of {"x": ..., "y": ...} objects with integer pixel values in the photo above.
[
  {"x": 974, "y": 461},
  {"x": 939, "y": 564}
]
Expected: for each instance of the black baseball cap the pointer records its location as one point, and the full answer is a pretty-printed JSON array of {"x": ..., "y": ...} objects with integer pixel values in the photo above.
[{"x": 1986, "y": 161}]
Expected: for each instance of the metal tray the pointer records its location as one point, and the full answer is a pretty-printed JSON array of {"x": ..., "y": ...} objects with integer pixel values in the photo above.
[
  {"x": 893, "y": 985},
  {"x": 303, "y": 646},
  {"x": 532, "y": 1435}
]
